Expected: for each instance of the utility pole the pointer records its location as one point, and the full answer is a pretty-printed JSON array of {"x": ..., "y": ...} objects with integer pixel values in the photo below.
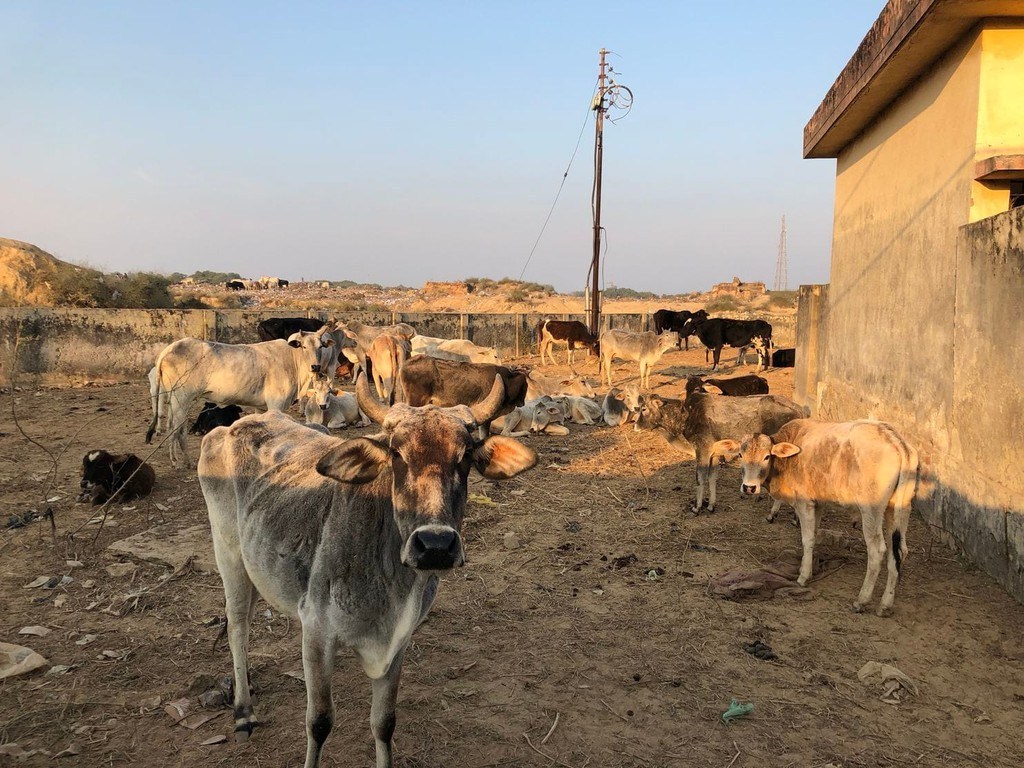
[
  {"x": 781, "y": 268},
  {"x": 609, "y": 94}
]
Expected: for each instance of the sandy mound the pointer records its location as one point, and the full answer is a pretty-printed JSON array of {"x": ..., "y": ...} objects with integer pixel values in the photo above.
[{"x": 28, "y": 274}]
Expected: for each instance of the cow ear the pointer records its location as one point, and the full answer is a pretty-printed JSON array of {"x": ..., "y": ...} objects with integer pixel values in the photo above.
[
  {"x": 499, "y": 458},
  {"x": 711, "y": 389},
  {"x": 350, "y": 334},
  {"x": 354, "y": 461},
  {"x": 729, "y": 449},
  {"x": 328, "y": 343},
  {"x": 785, "y": 450}
]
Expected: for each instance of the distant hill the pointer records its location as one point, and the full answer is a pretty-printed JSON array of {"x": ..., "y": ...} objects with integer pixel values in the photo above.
[{"x": 29, "y": 276}]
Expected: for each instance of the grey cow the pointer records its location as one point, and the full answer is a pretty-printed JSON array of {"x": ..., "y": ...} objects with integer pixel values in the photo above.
[
  {"x": 347, "y": 536},
  {"x": 702, "y": 419}
]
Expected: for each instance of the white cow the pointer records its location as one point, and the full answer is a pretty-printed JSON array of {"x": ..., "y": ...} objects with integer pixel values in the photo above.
[
  {"x": 268, "y": 375},
  {"x": 646, "y": 348},
  {"x": 538, "y": 385},
  {"x": 334, "y": 411}
]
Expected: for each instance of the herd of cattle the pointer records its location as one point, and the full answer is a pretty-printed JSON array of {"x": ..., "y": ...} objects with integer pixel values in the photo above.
[
  {"x": 263, "y": 283},
  {"x": 350, "y": 535}
]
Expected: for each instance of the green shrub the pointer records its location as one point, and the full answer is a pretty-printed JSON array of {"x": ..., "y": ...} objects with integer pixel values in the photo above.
[
  {"x": 80, "y": 288},
  {"x": 722, "y": 304},
  {"x": 214, "y": 278}
]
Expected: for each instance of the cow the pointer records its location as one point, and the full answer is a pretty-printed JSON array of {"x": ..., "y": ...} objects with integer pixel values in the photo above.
[
  {"x": 539, "y": 385},
  {"x": 283, "y": 327},
  {"x": 348, "y": 537},
  {"x": 668, "y": 320},
  {"x": 282, "y": 283},
  {"x": 387, "y": 355},
  {"x": 735, "y": 386},
  {"x": 646, "y": 348},
  {"x": 267, "y": 375},
  {"x": 334, "y": 411},
  {"x": 572, "y": 333},
  {"x": 715, "y": 332},
  {"x": 620, "y": 406},
  {"x": 429, "y": 381},
  {"x": 459, "y": 350},
  {"x": 784, "y": 358},
  {"x": 865, "y": 465},
  {"x": 356, "y": 335},
  {"x": 701, "y": 420},
  {"x": 580, "y": 410},
  {"x": 212, "y": 416},
  {"x": 544, "y": 415},
  {"x": 235, "y": 285},
  {"x": 124, "y": 477}
]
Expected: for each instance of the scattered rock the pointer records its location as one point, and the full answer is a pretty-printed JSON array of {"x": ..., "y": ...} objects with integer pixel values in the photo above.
[
  {"x": 58, "y": 669},
  {"x": 89, "y": 583},
  {"x": 35, "y": 630},
  {"x": 510, "y": 540},
  {"x": 74, "y": 564},
  {"x": 118, "y": 570},
  {"x": 218, "y": 739},
  {"x": 37, "y": 582},
  {"x": 18, "y": 660},
  {"x": 213, "y": 699},
  {"x": 85, "y": 639},
  {"x": 59, "y": 601}
]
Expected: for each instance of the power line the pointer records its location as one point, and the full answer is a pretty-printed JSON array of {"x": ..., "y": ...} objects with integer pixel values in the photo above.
[{"x": 564, "y": 177}]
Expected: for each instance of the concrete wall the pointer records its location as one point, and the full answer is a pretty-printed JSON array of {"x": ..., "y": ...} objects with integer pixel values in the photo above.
[
  {"x": 971, "y": 440},
  {"x": 811, "y": 342}
]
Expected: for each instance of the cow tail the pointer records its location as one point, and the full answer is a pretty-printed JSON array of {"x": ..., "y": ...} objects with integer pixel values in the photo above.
[
  {"x": 902, "y": 498},
  {"x": 394, "y": 374},
  {"x": 159, "y": 400}
]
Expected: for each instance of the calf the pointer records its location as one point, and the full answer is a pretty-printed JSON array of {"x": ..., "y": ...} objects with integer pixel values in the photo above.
[
  {"x": 572, "y": 333},
  {"x": 715, "y": 332},
  {"x": 333, "y": 411},
  {"x": 667, "y": 320},
  {"x": 464, "y": 351},
  {"x": 646, "y": 348},
  {"x": 428, "y": 381},
  {"x": 387, "y": 354},
  {"x": 283, "y": 327},
  {"x": 348, "y": 537},
  {"x": 861, "y": 464},
  {"x": 542, "y": 415},
  {"x": 701, "y": 420},
  {"x": 735, "y": 386},
  {"x": 124, "y": 477},
  {"x": 212, "y": 416},
  {"x": 620, "y": 407}
]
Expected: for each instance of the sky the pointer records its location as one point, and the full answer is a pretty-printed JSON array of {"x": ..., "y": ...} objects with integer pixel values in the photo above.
[{"x": 397, "y": 142}]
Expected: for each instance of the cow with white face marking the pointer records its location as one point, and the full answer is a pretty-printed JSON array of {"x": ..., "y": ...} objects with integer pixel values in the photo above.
[
  {"x": 347, "y": 536},
  {"x": 864, "y": 465}
]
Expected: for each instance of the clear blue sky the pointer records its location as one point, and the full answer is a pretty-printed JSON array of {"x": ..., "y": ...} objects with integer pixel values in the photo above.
[{"x": 400, "y": 142}]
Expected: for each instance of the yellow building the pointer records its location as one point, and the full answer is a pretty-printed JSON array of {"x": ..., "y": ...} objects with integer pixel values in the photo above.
[{"x": 922, "y": 323}]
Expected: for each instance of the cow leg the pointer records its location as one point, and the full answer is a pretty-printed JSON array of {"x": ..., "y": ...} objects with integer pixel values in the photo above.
[
  {"x": 318, "y": 649},
  {"x": 177, "y": 422},
  {"x": 808, "y": 524},
  {"x": 568, "y": 354},
  {"x": 239, "y": 604},
  {"x": 382, "y": 710},
  {"x": 775, "y": 510},
  {"x": 702, "y": 473},
  {"x": 712, "y": 483},
  {"x": 874, "y": 540},
  {"x": 717, "y": 356}
]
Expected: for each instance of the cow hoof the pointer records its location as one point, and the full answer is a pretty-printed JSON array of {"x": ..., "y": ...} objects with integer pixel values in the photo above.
[
  {"x": 770, "y": 519},
  {"x": 802, "y": 581},
  {"x": 883, "y": 611},
  {"x": 857, "y": 608}
]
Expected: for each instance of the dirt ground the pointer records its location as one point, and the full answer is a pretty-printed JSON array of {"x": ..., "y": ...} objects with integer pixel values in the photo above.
[{"x": 600, "y": 619}]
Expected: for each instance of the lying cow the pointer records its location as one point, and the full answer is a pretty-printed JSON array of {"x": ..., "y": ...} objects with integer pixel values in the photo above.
[
  {"x": 715, "y": 332},
  {"x": 283, "y": 327},
  {"x": 429, "y": 381},
  {"x": 539, "y": 385},
  {"x": 620, "y": 406},
  {"x": 572, "y": 333},
  {"x": 862, "y": 464},
  {"x": 268, "y": 375},
  {"x": 348, "y": 537},
  {"x": 667, "y": 320},
  {"x": 735, "y": 386},
  {"x": 333, "y": 411},
  {"x": 646, "y": 348},
  {"x": 124, "y": 477},
  {"x": 537, "y": 416},
  {"x": 701, "y": 420},
  {"x": 580, "y": 410},
  {"x": 212, "y": 416}
]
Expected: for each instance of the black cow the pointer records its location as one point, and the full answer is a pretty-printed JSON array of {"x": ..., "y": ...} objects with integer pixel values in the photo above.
[
  {"x": 784, "y": 358},
  {"x": 669, "y": 320},
  {"x": 715, "y": 332},
  {"x": 431, "y": 381},
  {"x": 737, "y": 386},
  {"x": 105, "y": 476},
  {"x": 235, "y": 285},
  {"x": 282, "y": 283},
  {"x": 572, "y": 333},
  {"x": 212, "y": 416},
  {"x": 283, "y": 327}
]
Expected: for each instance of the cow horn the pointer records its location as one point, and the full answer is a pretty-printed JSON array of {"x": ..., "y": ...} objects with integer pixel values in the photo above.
[
  {"x": 374, "y": 409},
  {"x": 487, "y": 408}
]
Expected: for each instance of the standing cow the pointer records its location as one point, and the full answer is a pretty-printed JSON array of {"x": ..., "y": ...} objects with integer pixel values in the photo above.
[
  {"x": 646, "y": 348},
  {"x": 348, "y": 537}
]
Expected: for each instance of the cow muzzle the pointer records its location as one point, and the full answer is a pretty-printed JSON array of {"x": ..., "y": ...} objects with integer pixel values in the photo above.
[
  {"x": 750, "y": 490},
  {"x": 434, "y": 548},
  {"x": 315, "y": 368}
]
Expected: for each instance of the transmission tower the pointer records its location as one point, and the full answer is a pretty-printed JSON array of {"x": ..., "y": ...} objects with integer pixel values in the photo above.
[{"x": 781, "y": 276}]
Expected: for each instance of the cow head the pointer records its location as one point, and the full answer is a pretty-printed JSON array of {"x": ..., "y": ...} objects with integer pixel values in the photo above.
[
  {"x": 427, "y": 453},
  {"x": 668, "y": 340},
  {"x": 320, "y": 345},
  {"x": 758, "y": 454},
  {"x": 650, "y": 412},
  {"x": 320, "y": 390},
  {"x": 97, "y": 470}
]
